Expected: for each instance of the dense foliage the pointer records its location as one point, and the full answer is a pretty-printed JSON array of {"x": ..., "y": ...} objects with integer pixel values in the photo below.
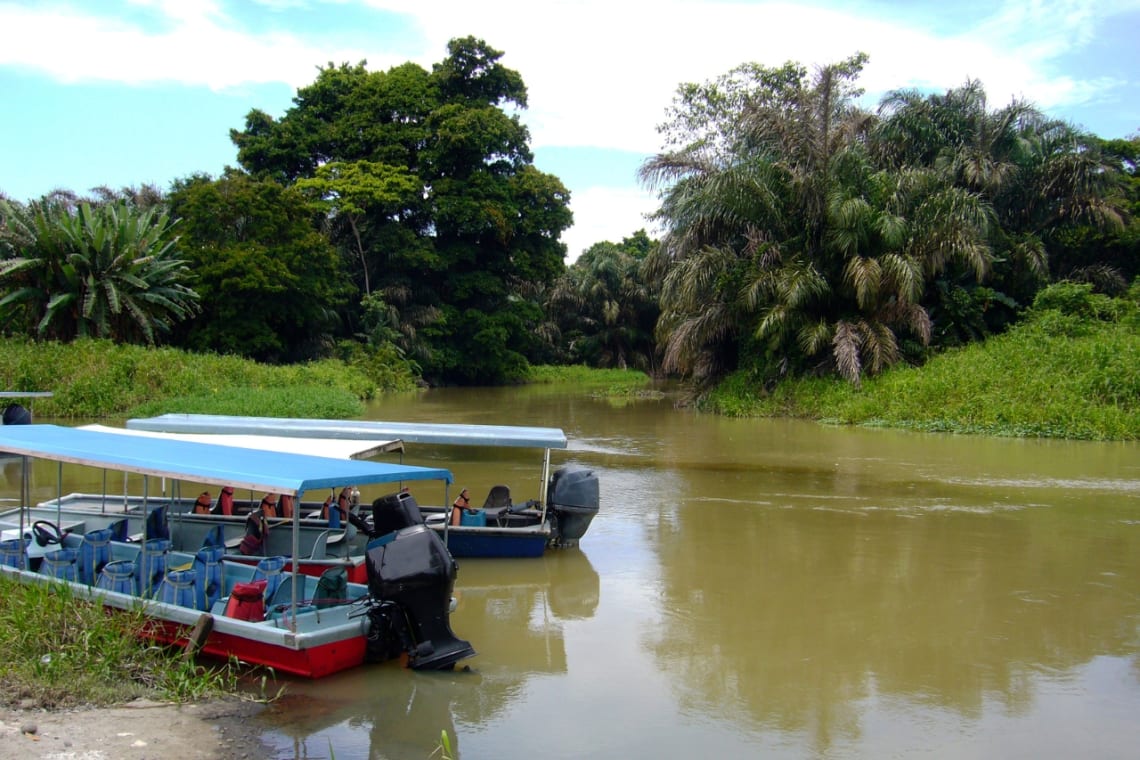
[
  {"x": 1070, "y": 370},
  {"x": 77, "y": 270},
  {"x": 807, "y": 235},
  {"x": 270, "y": 282},
  {"x": 604, "y": 308},
  {"x": 429, "y": 190}
]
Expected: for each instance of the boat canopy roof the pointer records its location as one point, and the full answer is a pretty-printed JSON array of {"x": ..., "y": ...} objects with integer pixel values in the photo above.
[
  {"x": 317, "y": 447},
  {"x": 414, "y": 432},
  {"x": 258, "y": 470}
]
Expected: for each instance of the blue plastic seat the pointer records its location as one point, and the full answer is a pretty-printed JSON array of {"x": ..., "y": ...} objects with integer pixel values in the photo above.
[
  {"x": 210, "y": 571},
  {"x": 270, "y": 569},
  {"x": 156, "y": 524},
  {"x": 181, "y": 587},
  {"x": 94, "y": 553},
  {"x": 152, "y": 565},
  {"x": 214, "y": 537},
  {"x": 12, "y": 552},
  {"x": 61, "y": 564},
  {"x": 118, "y": 576}
]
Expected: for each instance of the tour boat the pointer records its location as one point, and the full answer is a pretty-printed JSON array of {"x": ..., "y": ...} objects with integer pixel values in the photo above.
[
  {"x": 559, "y": 517},
  {"x": 268, "y": 614}
]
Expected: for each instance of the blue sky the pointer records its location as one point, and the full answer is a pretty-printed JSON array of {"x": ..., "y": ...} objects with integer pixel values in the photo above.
[{"x": 127, "y": 92}]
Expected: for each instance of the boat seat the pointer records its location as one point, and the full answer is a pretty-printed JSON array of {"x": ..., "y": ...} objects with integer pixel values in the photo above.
[
  {"x": 12, "y": 552},
  {"x": 152, "y": 569},
  {"x": 332, "y": 587},
  {"x": 94, "y": 554},
  {"x": 498, "y": 496},
  {"x": 320, "y": 546},
  {"x": 211, "y": 572},
  {"x": 181, "y": 587},
  {"x": 215, "y": 537},
  {"x": 118, "y": 576},
  {"x": 270, "y": 569},
  {"x": 61, "y": 564}
]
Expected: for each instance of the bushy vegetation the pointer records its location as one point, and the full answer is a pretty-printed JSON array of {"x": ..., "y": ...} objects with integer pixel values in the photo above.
[
  {"x": 97, "y": 378},
  {"x": 604, "y": 382},
  {"x": 59, "y": 651},
  {"x": 1071, "y": 370}
]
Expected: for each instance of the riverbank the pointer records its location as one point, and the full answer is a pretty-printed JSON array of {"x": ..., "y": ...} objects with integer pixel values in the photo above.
[{"x": 220, "y": 729}]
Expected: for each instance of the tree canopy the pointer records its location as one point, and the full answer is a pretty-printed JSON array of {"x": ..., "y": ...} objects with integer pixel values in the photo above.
[
  {"x": 429, "y": 191},
  {"x": 806, "y": 234}
]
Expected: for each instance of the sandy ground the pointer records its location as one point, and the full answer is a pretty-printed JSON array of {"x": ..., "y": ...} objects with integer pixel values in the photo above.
[{"x": 140, "y": 730}]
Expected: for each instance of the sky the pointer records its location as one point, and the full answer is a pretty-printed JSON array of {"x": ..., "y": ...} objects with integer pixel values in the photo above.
[{"x": 132, "y": 92}]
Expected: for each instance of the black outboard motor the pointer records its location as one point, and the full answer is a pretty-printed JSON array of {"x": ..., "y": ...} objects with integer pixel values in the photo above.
[
  {"x": 411, "y": 576},
  {"x": 14, "y": 414},
  {"x": 573, "y": 498},
  {"x": 394, "y": 511}
]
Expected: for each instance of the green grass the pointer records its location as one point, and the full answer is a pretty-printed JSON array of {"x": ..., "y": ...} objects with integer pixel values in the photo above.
[
  {"x": 1055, "y": 376},
  {"x": 97, "y": 378},
  {"x": 59, "y": 651},
  {"x": 598, "y": 382}
]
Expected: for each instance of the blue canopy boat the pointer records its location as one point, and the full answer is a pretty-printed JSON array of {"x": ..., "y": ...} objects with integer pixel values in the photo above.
[
  {"x": 271, "y": 614},
  {"x": 567, "y": 502}
]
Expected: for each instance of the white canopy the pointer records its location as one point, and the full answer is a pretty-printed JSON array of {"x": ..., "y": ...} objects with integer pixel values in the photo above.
[{"x": 317, "y": 447}]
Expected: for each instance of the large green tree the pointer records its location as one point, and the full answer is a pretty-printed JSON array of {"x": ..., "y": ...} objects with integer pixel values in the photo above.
[
  {"x": 108, "y": 270},
  {"x": 433, "y": 199},
  {"x": 270, "y": 282}
]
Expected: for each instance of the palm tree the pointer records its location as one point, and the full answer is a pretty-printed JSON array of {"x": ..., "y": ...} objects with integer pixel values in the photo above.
[
  {"x": 612, "y": 307},
  {"x": 107, "y": 271},
  {"x": 746, "y": 207}
]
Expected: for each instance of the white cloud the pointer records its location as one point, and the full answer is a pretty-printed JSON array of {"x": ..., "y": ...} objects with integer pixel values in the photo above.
[
  {"x": 606, "y": 213},
  {"x": 600, "y": 73},
  {"x": 603, "y": 79},
  {"x": 197, "y": 45}
]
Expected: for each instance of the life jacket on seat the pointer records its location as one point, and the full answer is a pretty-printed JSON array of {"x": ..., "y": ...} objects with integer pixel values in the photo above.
[
  {"x": 202, "y": 503},
  {"x": 226, "y": 501},
  {"x": 269, "y": 505},
  {"x": 285, "y": 504},
  {"x": 256, "y": 530},
  {"x": 247, "y": 601}
]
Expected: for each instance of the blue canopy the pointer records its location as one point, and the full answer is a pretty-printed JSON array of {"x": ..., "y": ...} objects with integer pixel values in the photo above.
[
  {"x": 204, "y": 463},
  {"x": 414, "y": 432}
]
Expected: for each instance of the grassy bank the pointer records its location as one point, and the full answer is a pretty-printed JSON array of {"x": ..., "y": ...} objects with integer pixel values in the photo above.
[
  {"x": 95, "y": 378},
  {"x": 595, "y": 382},
  {"x": 59, "y": 652},
  {"x": 1072, "y": 370}
]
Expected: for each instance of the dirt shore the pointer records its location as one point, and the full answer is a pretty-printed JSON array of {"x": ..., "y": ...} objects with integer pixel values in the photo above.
[{"x": 140, "y": 730}]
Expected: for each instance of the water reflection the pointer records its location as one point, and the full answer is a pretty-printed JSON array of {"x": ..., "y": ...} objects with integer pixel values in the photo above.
[
  {"x": 514, "y": 612},
  {"x": 793, "y": 614}
]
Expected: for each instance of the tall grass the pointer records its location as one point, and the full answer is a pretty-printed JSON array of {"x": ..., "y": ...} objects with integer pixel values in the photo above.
[
  {"x": 1062, "y": 374},
  {"x": 97, "y": 378},
  {"x": 607, "y": 382},
  {"x": 59, "y": 651}
]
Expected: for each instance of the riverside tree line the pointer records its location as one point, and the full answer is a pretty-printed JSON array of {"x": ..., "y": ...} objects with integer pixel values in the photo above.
[{"x": 399, "y": 214}]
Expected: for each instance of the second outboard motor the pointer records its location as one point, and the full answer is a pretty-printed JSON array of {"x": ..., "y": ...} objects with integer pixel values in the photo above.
[
  {"x": 14, "y": 414},
  {"x": 394, "y": 511},
  {"x": 573, "y": 496},
  {"x": 411, "y": 576}
]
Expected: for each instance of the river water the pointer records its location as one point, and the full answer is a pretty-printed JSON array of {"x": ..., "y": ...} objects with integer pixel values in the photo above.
[
  {"x": 771, "y": 588},
  {"x": 777, "y": 589}
]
